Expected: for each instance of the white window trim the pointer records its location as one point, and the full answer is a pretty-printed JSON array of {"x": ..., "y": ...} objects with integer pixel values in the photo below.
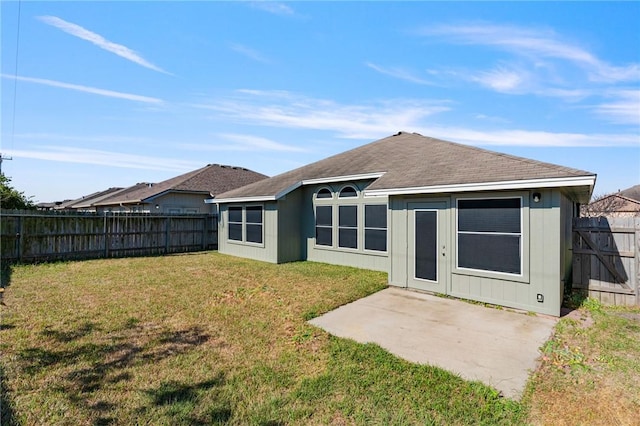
[
  {"x": 315, "y": 226},
  {"x": 522, "y": 238},
  {"x": 357, "y": 227},
  {"x": 244, "y": 226},
  {"x": 364, "y": 229}
]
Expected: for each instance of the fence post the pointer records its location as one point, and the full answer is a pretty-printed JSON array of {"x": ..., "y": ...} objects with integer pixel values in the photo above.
[
  {"x": 167, "y": 227},
  {"x": 106, "y": 237},
  {"x": 20, "y": 238}
]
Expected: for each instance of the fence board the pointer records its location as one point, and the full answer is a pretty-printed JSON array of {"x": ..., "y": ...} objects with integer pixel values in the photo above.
[
  {"x": 45, "y": 236},
  {"x": 606, "y": 258}
]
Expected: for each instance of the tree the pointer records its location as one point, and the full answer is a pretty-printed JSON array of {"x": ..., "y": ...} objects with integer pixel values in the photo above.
[{"x": 11, "y": 198}]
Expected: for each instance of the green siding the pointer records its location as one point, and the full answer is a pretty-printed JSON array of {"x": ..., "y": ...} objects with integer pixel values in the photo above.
[
  {"x": 268, "y": 251},
  {"x": 378, "y": 261},
  {"x": 545, "y": 254}
]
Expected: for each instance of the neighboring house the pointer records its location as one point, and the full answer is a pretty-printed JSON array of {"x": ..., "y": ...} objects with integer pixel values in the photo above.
[
  {"x": 182, "y": 194},
  {"x": 624, "y": 203},
  {"x": 85, "y": 203},
  {"x": 435, "y": 215}
]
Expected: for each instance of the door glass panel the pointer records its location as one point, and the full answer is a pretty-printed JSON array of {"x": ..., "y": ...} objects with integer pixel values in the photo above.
[{"x": 426, "y": 250}]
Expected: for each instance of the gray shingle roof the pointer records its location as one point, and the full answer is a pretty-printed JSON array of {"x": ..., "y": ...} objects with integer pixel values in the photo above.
[
  {"x": 209, "y": 180},
  {"x": 410, "y": 160},
  {"x": 633, "y": 192}
]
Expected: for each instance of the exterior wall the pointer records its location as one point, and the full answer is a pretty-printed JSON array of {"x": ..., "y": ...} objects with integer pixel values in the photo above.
[
  {"x": 359, "y": 258},
  {"x": 544, "y": 241},
  {"x": 180, "y": 203},
  {"x": 166, "y": 204},
  {"x": 267, "y": 251}
]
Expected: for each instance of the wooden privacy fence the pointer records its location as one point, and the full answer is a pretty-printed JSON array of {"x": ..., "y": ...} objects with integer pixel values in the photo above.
[
  {"x": 44, "y": 236},
  {"x": 606, "y": 258}
]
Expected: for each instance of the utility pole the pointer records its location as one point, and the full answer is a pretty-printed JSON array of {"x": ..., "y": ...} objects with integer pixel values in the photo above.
[{"x": 2, "y": 158}]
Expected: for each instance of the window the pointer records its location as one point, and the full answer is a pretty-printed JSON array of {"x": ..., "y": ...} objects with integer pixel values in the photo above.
[
  {"x": 324, "y": 193},
  {"x": 348, "y": 192},
  {"x": 235, "y": 223},
  {"x": 254, "y": 224},
  {"x": 324, "y": 225},
  {"x": 375, "y": 227},
  {"x": 245, "y": 224},
  {"x": 348, "y": 226},
  {"x": 490, "y": 235}
]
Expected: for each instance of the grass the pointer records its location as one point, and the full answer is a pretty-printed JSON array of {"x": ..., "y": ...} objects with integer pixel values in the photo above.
[
  {"x": 590, "y": 370},
  {"x": 211, "y": 339}
]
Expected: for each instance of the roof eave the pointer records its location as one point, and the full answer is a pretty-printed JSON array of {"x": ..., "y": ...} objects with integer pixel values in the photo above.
[
  {"x": 575, "y": 181},
  {"x": 291, "y": 188}
]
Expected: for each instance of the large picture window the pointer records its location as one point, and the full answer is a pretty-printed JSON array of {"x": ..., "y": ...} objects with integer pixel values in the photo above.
[
  {"x": 324, "y": 225},
  {"x": 375, "y": 227},
  {"x": 490, "y": 235},
  {"x": 348, "y": 227}
]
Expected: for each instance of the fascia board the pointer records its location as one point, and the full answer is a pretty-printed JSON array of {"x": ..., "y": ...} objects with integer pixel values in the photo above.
[{"x": 489, "y": 186}]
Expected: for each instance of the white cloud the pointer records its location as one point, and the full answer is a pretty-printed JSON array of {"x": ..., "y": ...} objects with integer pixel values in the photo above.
[
  {"x": 625, "y": 109},
  {"x": 98, "y": 40},
  {"x": 535, "y": 43},
  {"x": 274, "y": 7},
  {"x": 105, "y": 158},
  {"x": 288, "y": 110},
  {"x": 399, "y": 73},
  {"x": 240, "y": 142},
  {"x": 379, "y": 119},
  {"x": 87, "y": 138},
  {"x": 518, "y": 137},
  {"x": 502, "y": 79},
  {"x": 249, "y": 52},
  {"x": 86, "y": 89}
]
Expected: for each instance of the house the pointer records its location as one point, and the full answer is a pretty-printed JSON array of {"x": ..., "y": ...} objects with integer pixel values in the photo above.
[
  {"x": 85, "y": 203},
  {"x": 435, "y": 215},
  {"x": 624, "y": 203},
  {"x": 182, "y": 194}
]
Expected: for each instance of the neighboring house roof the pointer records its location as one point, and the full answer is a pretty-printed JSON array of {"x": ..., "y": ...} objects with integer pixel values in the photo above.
[
  {"x": 632, "y": 193},
  {"x": 86, "y": 200},
  {"x": 409, "y": 163},
  {"x": 615, "y": 203},
  {"x": 209, "y": 181}
]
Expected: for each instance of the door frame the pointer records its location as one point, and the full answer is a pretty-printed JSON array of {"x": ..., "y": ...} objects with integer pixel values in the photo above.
[{"x": 442, "y": 208}]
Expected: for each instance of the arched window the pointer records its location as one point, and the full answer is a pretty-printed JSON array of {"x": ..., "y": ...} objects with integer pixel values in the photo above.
[
  {"x": 324, "y": 193},
  {"x": 348, "y": 192}
]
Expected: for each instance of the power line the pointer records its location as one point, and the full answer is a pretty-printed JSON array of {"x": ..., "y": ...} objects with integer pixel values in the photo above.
[{"x": 15, "y": 84}]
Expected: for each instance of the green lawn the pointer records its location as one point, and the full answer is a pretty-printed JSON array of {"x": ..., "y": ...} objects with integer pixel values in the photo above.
[{"x": 206, "y": 339}]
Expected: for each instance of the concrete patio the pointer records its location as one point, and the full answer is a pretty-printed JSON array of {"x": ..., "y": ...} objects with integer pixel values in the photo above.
[{"x": 496, "y": 347}]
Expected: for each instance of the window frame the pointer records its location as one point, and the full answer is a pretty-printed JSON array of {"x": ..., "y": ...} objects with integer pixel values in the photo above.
[
  {"x": 344, "y": 227},
  {"x": 523, "y": 238},
  {"x": 235, "y": 222},
  {"x": 244, "y": 224},
  {"x": 359, "y": 201},
  {"x": 330, "y": 227},
  {"x": 372, "y": 228},
  {"x": 348, "y": 197}
]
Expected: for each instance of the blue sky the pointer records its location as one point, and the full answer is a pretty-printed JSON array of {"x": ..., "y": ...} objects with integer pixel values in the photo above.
[{"x": 109, "y": 94}]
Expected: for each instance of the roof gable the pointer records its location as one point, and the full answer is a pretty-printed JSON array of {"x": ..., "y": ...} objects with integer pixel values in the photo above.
[{"x": 410, "y": 160}]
